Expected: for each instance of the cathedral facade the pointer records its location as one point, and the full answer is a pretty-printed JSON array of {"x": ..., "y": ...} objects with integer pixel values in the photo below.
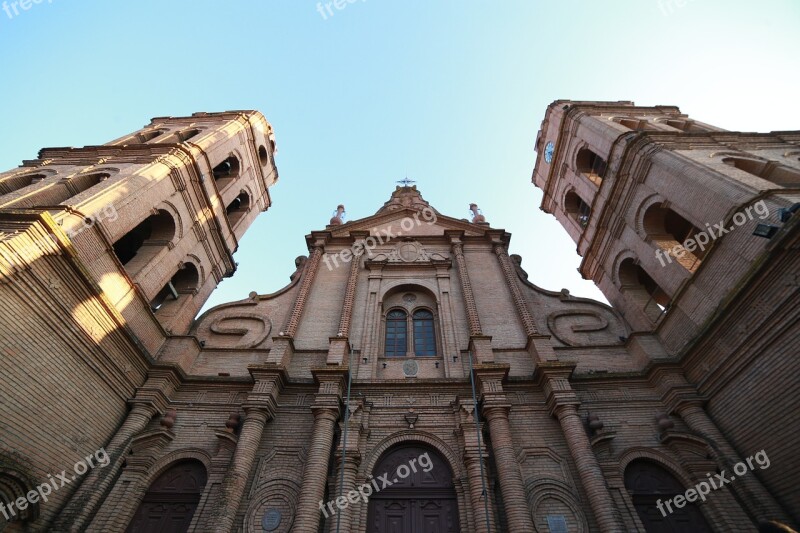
[{"x": 410, "y": 377}]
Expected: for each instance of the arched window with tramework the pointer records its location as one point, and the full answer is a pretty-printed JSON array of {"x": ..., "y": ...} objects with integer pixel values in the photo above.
[
  {"x": 410, "y": 323},
  {"x": 642, "y": 291},
  {"x": 424, "y": 333},
  {"x": 15, "y": 183},
  {"x": 181, "y": 286},
  {"x": 238, "y": 208},
  {"x": 143, "y": 243},
  {"x": 226, "y": 171},
  {"x": 60, "y": 191},
  {"x": 668, "y": 231},
  {"x": 396, "y": 333},
  {"x": 591, "y": 165},
  {"x": 636, "y": 124},
  {"x": 767, "y": 170},
  {"x": 577, "y": 209},
  {"x": 14, "y": 487}
]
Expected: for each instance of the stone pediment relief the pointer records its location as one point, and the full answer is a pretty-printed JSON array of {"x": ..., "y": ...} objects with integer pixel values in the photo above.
[
  {"x": 247, "y": 323},
  {"x": 238, "y": 330},
  {"x": 584, "y": 327},
  {"x": 234, "y": 328},
  {"x": 408, "y": 251},
  {"x": 571, "y": 320}
]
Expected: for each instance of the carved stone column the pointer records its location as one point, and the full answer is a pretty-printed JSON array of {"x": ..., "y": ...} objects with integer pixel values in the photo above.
[
  {"x": 120, "y": 506},
  {"x": 151, "y": 398},
  {"x": 235, "y": 481},
  {"x": 350, "y": 295},
  {"x": 495, "y": 410},
  {"x": 475, "y": 459},
  {"x": 290, "y": 329},
  {"x": 326, "y": 409},
  {"x": 259, "y": 407},
  {"x": 344, "y": 516},
  {"x": 753, "y": 495},
  {"x": 589, "y": 470},
  {"x": 84, "y": 503},
  {"x": 563, "y": 402},
  {"x": 681, "y": 397},
  {"x": 476, "y": 496},
  {"x": 227, "y": 439}
]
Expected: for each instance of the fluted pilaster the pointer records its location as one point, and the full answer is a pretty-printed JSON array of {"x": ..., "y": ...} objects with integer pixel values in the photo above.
[
  {"x": 466, "y": 288},
  {"x": 519, "y": 300}
]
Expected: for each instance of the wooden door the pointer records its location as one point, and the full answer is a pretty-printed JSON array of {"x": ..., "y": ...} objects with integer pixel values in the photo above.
[
  {"x": 424, "y": 501},
  {"x": 170, "y": 502},
  {"x": 649, "y": 483}
]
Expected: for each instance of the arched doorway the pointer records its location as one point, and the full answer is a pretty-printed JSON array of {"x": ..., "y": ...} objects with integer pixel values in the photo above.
[
  {"x": 421, "y": 498},
  {"x": 170, "y": 502},
  {"x": 648, "y": 484}
]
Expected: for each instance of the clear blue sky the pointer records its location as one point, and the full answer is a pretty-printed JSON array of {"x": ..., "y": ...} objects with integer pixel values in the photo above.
[{"x": 450, "y": 92}]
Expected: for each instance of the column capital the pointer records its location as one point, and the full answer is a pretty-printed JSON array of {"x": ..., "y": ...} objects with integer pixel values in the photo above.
[
  {"x": 455, "y": 236},
  {"x": 324, "y": 411},
  {"x": 317, "y": 240},
  {"x": 332, "y": 379},
  {"x": 497, "y": 409},
  {"x": 144, "y": 407},
  {"x": 490, "y": 379},
  {"x": 269, "y": 371},
  {"x": 553, "y": 369},
  {"x": 352, "y": 459},
  {"x": 562, "y": 410},
  {"x": 338, "y": 350},
  {"x": 553, "y": 378},
  {"x": 472, "y": 453},
  {"x": 258, "y": 410},
  {"x": 162, "y": 381},
  {"x": 269, "y": 380},
  {"x": 499, "y": 248}
]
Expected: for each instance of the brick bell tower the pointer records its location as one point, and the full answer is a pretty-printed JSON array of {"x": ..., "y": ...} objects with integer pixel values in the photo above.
[
  {"x": 631, "y": 183},
  {"x": 692, "y": 233},
  {"x": 167, "y": 204},
  {"x": 107, "y": 253}
]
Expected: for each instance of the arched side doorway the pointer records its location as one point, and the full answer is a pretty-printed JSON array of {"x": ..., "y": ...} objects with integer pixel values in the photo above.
[
  {"x": 421, "y": 498},
  {"x": 170, "y": 502},
  {"x": 648, "y": 483}
]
